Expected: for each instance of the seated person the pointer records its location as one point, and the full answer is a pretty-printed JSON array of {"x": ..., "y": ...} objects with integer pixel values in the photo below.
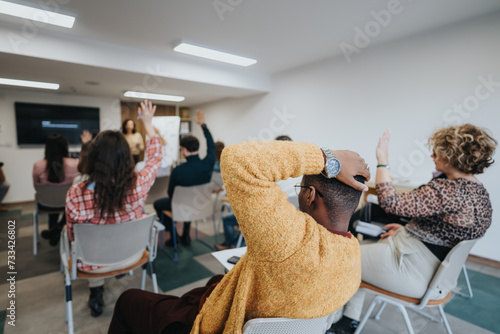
[
  {"x": 112, "y": 193},
  {"x": 55, "y": 169},
  {"x": 299, "y": 264},
  {"x": 4, "y": 187},
  {"x": 444, "y": 212},
  {"x": 216, "y": 175},
  {"x": 193, "y": 172}
]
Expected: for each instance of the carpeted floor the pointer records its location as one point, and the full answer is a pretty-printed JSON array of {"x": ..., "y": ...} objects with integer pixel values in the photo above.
[
  {"x": 172, "y": 275},
  {"x": 485, "y": 303}
]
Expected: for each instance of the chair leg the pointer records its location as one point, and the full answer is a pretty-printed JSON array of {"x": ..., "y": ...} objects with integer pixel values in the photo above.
[
  {"x": 240, "y": 240},
  {"x": 379, "y": 312},
  {"x": 174, "y": 236},
  {"x": 445, "y": 320},
  {"x": 198, "y": 239},
  {"x": 35, "y": 232},
  {"x": 470, "y": 295},
  {"x": 366, "y": 316},
  {"x": 402, "y": 309},
  {"x": 143, "y": 280},
  {"x": 152, "y": 269},
  {"x": 215, "y": 227},
  {"x": 69, "y": 303}
]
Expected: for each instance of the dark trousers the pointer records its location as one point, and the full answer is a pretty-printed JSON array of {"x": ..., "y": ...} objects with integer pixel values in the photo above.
[
  {"x": 138, "y": 311},
  {"x": 53, "y": 217},
  {"x": 163, "y": 204}
]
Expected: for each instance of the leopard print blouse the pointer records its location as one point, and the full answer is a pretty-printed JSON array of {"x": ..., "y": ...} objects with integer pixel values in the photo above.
[{"x": 444, "y": 212}]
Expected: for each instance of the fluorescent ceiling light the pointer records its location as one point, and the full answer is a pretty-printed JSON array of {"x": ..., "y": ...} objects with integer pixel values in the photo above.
[
  {"x": 24, "y": 83},
  {"x": 36, "y": 14},
  {"x": 214, "y": 55},
  {"x": 161, "y": 97}
]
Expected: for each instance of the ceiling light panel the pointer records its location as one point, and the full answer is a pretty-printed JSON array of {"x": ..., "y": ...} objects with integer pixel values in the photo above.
[
  {"x": 150, "y": 96},
  {"x": 36, "y": 14},
  {"x": 214, "y": 55},
  {"x": 32, "y": 84}
]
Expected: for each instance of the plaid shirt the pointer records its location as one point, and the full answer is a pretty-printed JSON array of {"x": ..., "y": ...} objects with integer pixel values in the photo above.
[{"x": 80, "y": 205}]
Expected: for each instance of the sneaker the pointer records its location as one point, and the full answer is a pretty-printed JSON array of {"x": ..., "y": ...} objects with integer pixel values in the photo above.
[{"x": 186, "y": 240}]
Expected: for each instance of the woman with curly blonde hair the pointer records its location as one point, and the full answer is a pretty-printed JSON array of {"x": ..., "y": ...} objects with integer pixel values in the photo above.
[{"x": 445, "y": 211}]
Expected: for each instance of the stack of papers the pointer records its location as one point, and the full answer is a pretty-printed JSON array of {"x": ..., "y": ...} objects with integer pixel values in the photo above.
[{"x": 370, "y": 229}]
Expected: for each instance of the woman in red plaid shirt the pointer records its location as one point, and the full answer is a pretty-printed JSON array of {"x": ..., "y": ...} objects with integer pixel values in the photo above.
[{"x": 113, "y": 192}]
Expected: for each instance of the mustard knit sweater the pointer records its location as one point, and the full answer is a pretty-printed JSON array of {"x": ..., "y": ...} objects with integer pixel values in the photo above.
[{"x": 293, "y": 267}]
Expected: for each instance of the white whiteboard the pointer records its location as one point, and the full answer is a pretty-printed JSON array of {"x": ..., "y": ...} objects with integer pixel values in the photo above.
[{"x": 169, "y": 129}]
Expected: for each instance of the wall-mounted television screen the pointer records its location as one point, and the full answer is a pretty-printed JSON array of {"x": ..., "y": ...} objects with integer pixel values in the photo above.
[{"x": 35, "y": 122}]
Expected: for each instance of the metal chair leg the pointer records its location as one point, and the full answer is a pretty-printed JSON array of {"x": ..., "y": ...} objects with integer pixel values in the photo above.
[{"x": 458, "y": 292}]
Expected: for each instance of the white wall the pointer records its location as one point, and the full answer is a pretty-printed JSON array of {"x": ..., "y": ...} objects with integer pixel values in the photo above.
[
  {"x": 408, "y": 86},
  {"x": 19, "y": 161}
]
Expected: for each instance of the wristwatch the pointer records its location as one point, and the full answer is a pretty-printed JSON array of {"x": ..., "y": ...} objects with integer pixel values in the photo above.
[{"x": 332, "y": 165}]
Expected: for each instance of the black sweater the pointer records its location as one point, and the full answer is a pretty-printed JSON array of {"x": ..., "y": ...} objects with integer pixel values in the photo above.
[{"x": 194, "y": 171}]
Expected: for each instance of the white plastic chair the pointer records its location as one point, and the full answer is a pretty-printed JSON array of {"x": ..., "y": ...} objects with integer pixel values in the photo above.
[
  {"x": 158, "y": 189},
  {"x": 372, "y": 199},
  {"x": 191, "y": 204},
  {"x": 445, "y": 277},
  {"x": 290, "y": 326},
  {"x": 53, "y": 197},
  {"x": 108, "y": 245}
]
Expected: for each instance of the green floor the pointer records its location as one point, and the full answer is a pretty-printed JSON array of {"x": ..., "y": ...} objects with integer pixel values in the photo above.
[
  {"x": 483, "y": 309},
  {"x": 187, "y": 270}
]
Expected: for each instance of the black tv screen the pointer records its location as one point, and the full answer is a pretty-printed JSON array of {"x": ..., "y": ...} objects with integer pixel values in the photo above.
[{"x": 35, "y": 122}]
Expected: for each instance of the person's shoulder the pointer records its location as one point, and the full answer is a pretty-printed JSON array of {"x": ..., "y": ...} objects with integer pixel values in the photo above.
[
  {"x": 76, "y": 189},
  {"x": 40, "y": 163},
  {"x": 71, "y": 161}
]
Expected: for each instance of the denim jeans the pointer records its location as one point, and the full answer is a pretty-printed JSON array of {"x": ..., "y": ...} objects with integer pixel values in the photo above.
[{"x": 229, "y": 222}]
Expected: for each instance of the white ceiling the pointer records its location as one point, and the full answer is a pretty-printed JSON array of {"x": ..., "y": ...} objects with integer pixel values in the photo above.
[{"x": 119, "y": 43}]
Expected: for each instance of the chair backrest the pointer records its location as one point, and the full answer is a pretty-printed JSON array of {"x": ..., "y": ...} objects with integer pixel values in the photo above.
[
  {"x": 158, "y": 189},
  {"x": 286, "y": 326},
  {"x": 104, "y": 245},
  {"x": 445, "y": 278},
  {"x": 51, "y": 196},
  {"x": 192, "y": 203}
]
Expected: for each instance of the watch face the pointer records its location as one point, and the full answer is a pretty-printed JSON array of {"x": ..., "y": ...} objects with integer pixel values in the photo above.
[{"x": 333, "y": 167}]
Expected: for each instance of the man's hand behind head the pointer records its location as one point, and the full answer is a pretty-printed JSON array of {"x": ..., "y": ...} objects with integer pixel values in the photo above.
[{"x": 352, "y": 164}]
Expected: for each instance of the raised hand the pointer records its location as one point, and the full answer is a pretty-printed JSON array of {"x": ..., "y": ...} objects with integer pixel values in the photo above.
[
  {"x": 352, "y": 164},
  {"x": 200, "y": 117},
  {"x": 86, "y": 136},
  {"x": 382, "y": 151},
  {"x": 145, "y": 112}
]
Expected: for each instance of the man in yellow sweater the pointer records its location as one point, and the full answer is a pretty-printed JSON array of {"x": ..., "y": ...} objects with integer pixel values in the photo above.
[{"x": 299, "y": 264}]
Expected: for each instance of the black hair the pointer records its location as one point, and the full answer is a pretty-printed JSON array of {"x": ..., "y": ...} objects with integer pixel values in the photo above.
[
  {"x": 190, "y": 143},
  {"x": 284, "y": 138},
  {"x": 56, "y": 149},
  {"x": 337, "y": 196}
]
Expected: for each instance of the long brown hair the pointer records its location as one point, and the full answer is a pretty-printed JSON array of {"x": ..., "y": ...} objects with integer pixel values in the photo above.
[{"x": 110, "y": 165}]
